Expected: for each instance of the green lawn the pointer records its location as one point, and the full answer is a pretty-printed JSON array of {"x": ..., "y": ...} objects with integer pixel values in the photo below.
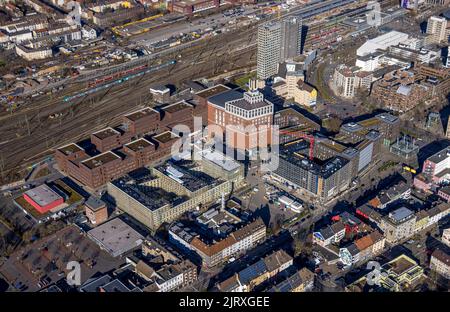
[{"x": 243, "y": 80}]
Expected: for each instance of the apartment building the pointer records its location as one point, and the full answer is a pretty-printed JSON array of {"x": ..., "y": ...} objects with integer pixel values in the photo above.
[
  {"x": 215, "y": 252},
  {"x": 300, "y": 281},
  {"x": 440, "y": 263},
  {"x": 331, "y": 234},
  {"x": 257, "y": 273},
  {"x": 362, "y": 249},
  {"x": 347, "y": 80},
  {"x": 398, "y": 225},
  {"x": 438, "y": 29}
]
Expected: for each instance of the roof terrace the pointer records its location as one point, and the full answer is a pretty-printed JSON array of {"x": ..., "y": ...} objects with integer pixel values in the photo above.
[
  {"x": 70, "y": 149},
  {"x": 139, "y": 145},
  {"x": 106, "y": 133},
  {"x": 100, "y": 160},
  {"x": 141, "y": 114}
]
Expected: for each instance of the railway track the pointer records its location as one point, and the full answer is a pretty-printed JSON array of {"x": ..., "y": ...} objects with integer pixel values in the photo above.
[{"x": 88, "y": 114}]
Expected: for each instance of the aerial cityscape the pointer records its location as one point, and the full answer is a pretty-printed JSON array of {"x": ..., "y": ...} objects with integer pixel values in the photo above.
[{"x": 224, "y": 146}]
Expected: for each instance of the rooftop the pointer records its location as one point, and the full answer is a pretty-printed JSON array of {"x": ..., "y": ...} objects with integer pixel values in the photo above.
[
  {"x": 141, "y": 114},
  {"x": 176, "y": 107},
  {"x": 212, "y": 91},
  {"x": 440, "y": 156},
  {"x": 100, "y": 160},
  {"x": 95, "y": 203},
  {"x": 293, "y": 153},
  {"x": 43, "y": 195},
  {"x": 400, "y": 214},
  {"x": 106, "y": 133},
  {"x": 116, "y": 237},
  {"x": 134, "y": 185},
  {"x": 221, "y": 98},
  {"x": 165, "y": 137},
  {"x": 220, "y": 159},
  {"x": 70, "y": 149},
  {"x": 139, "y": 144},
  {"x": 185, "y": 174}
]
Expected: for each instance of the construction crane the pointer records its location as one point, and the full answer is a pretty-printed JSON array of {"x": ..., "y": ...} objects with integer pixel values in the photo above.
[{"x": 301, "y": 135}]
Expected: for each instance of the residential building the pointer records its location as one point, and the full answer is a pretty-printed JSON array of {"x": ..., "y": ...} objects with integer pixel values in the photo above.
[
  {"x": 299, "y": 281},
  {"x": 347, "y": 80},
  {"x": 30, "y": 54},
  {"x": 329, "y": 234},
  {"x": 259, "y": 272},
  {"x": 362, "y": 249},
  {"x": 437, "y": 29},
  {"x": 215, "y": 252},
  {"x": 400, "y": 274},
  {"x": 398, "y": 191},
  {"x": 401, "y": 90},
  {"x": 88, "y": 33},
  {"x": 398, "y": 225},
  {"x": 440, "y": 263}
]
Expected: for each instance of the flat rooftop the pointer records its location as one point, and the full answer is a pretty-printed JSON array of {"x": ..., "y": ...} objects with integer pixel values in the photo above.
[
  {"x": 221, "y": 98},
  {"x": 43, "y": 195},
  {"x": 440, "y": 156},
  {"x": 400, "y": 265},
  {"x": 388, "y": 118},
  {"x": 106, "y": 133},
  {"x": 185, "y": 174},
  {"x": 138, "y": 144},
  {"x": 220, "y": 159},
  {"x": 141, "y": 114},
  {"x": 165, "y": 137},
  {"x": 293, "y": 153},
  {"x": 95, "y": 203},
  {"x": 153, "y": 198},
  {"x": 400, "y": 214},
  {"x": 116, "y": 237},
  {"x": 70, "y": 149},
  {"x": 100, "y": 160},
  {"x": 246, "y": 105},
  {"x": 176, "y": 107},
  {"x": 219, "y": 219},
  {"x": 212, "y": 91}
]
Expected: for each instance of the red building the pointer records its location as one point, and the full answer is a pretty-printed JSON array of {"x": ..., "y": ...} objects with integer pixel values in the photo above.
[
  {"x": 143, "y": 137},
  {"x": 43, "y": 198},
  {"x": 245, "y": 119}
]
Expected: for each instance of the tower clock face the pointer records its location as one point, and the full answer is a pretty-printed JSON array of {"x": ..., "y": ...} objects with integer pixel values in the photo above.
[{"x": 290, "y": 67}]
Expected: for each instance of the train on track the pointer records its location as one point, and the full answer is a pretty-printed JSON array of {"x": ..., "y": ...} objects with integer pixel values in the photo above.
[{"x": 108, "y": 82}]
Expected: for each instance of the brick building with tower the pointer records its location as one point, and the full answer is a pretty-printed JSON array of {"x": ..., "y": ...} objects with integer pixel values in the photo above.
[{"x": 245, "y": 119}]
